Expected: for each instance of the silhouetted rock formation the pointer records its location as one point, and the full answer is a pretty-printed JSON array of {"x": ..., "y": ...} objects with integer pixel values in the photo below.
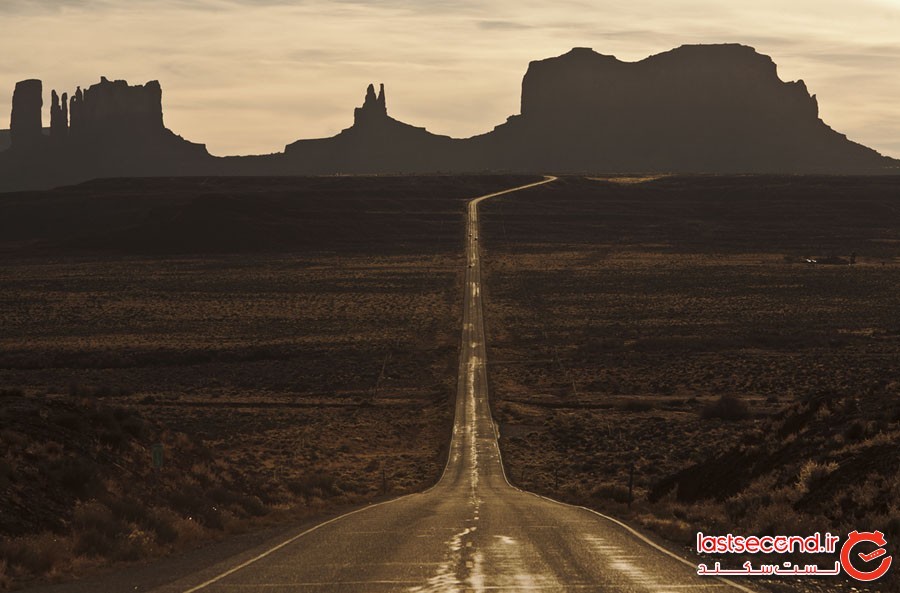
[
  {"x": 25, "y": 125},
  {"x": 59, "y": 119},
  {"x": 76, "y": 113},
  {"x": 694, "y": 109},
  {"x": 64, "y": 117},
  {"x": 373, "y": 108},
  {"x": 376, "y": 143},
  {"x": 6, "y": 142},
  {"x": 113, "y": 116},
  {"x": 698, "y": 108},
  {"x": 115, "y": 107},
  {"x": 115, "y": 130}
]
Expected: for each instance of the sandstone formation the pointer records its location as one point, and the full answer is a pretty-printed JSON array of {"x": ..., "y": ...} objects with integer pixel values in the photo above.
[
  {"x": 59, "y": 124},
  {"x": 376, "y": 143},
  {"x": 110, "y": 129},
  {"x": 64, "y": 115},
  {"x": 76, "y": 111},
  {"x": 25, "y": 127},
  {"x": 697, "y": 108},
  {"x": 694, "y": 109},
  {"x": 111, "y": 106},
  {"x": 373, "y": 108}
]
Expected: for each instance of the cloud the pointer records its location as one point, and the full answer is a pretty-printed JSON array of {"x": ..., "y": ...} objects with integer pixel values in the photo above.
[{"x": 502, "y": 25}]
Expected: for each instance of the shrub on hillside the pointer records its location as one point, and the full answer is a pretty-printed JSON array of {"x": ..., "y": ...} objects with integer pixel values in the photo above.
[{"x": 728, "y": 407}]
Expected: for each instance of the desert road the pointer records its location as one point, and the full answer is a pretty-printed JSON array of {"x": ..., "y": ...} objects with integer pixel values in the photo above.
[{"x": 472, "y": 531}]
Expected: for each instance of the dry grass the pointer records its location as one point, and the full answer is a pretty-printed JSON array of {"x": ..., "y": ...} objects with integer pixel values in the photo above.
[
  {"x": 274, "y": 384},
  {"x": 673, "y": 326},
  {"x": 291, "y": 343}
]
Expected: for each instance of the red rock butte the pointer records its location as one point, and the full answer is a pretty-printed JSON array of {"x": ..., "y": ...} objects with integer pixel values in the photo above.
[{"x": 694, "y": 109}]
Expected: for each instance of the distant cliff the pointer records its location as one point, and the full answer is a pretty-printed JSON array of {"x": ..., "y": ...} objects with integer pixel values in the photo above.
[
  {"x": 375, "y": 143},
  {"x": 694, "y": 109},
  {"x": 111, "y": 129},
  {"x": 6, "y": 139},
  {"x": 698, "y": 108}
]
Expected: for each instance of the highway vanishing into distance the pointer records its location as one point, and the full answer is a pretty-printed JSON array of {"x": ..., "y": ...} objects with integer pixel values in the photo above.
[{"x": 472, "y": 531}]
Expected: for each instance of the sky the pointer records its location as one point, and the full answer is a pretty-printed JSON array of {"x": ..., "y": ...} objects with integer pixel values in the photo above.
[{"x": 249, "y": 76}]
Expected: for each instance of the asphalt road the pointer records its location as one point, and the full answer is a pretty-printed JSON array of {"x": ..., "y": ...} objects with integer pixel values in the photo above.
[{"x": 470, "y": 532}]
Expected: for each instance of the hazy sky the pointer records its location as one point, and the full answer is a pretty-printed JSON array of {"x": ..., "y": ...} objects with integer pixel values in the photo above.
[{"x": 249, "y": 76}]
